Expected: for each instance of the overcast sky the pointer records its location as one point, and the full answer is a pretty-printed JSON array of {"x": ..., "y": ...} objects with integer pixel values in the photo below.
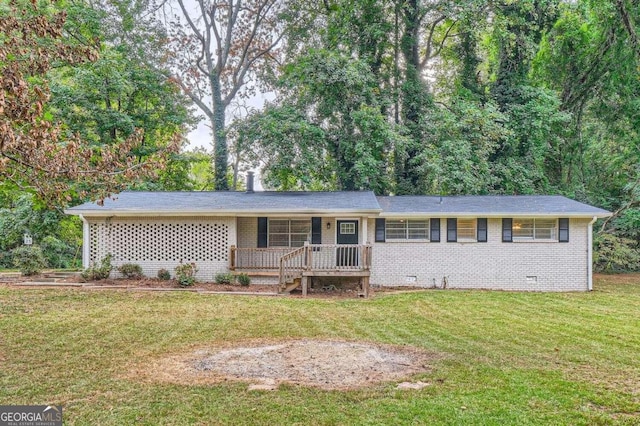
[{"x": 201, "y": 135}]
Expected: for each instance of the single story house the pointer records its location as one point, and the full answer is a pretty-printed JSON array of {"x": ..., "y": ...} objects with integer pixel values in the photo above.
[{"x": 530, "y": 243}]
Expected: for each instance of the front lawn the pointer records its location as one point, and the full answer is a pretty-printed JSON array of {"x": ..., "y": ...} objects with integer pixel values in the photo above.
[{"x": 505, "y": 358}]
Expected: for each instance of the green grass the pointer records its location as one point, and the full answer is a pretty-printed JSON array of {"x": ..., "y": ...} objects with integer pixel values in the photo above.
[{"x": 507, "y": 358}]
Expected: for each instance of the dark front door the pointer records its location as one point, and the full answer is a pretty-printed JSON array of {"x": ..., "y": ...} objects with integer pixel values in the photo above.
[{"x": 347, "y": 234}]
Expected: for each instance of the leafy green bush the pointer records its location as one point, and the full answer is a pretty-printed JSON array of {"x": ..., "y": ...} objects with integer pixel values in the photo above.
[
  {"x": 6, "y": 259},
  {"x": 99, "y": 272},
  {"x": 164, "y": 275},
  {"x": 131, "y": 271},
  {"x": 58, "y": 253},
  {"x": 28, "y": 259},
  {"x": 226, "y": 278},
  {"x": 186, "y": 274},
  {"x": 614, "y": 254},
  {"x": 243, "y": 279}
]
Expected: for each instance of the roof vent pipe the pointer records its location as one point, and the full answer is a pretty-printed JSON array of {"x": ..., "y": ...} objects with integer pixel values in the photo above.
[
  {"x": 441, "y": 199},
  {"x": 249, "y": 182}
]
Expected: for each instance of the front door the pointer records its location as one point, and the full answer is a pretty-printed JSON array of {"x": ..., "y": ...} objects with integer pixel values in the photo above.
[{"x": 347, "y": 234}]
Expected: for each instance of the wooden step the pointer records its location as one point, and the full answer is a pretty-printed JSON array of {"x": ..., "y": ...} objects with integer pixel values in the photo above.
[{"x": 289, "y": 287}]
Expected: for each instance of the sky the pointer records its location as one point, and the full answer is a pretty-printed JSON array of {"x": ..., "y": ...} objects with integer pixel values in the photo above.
[{"x": 201, "y": 135}]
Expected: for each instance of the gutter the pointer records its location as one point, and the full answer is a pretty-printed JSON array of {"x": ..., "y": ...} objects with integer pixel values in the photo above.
[{"x": 590, "y": 254}]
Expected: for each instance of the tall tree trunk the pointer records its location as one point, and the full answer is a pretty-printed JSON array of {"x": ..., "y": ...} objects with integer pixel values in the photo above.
[
  {"x": 415, "y": 103},
  {"x": 220, "y": 150}
]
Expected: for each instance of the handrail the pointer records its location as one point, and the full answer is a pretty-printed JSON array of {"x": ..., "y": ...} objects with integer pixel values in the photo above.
[{"x": 292, "y": 264}]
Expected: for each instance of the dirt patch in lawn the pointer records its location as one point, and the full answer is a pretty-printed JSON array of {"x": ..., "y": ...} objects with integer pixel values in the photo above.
[{"x": 326, "y": 364}]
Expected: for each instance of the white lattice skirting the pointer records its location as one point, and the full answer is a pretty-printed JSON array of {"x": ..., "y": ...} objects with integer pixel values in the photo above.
[{"x": 156, "y": 243}]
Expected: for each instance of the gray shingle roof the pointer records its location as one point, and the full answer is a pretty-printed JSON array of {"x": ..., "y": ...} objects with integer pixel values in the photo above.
[
  {"x": 341, "y": 202},
  {"x": 488, "y": 205},
  {"x": 130, "y": 202}
]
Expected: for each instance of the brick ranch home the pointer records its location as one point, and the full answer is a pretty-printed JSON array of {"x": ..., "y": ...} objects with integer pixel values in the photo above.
[{"x": 530, "y": 243}]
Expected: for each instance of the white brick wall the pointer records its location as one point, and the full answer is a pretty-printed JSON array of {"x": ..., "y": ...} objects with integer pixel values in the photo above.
[
  {"x": 328, "y": 235},
  {"x": 491, "y": 265},
  {"x": 247, "y": 232},
  {"x": 155, "y": 243}
]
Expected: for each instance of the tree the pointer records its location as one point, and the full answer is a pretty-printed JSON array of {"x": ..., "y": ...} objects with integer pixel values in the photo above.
[
  {"x": 216, "y": 49},
  {"x": 127, "y": 88},
  {"x": 35, "y": 153},
  {"x": 328, "y": 127},
  {"x": 59, "y": 236}
]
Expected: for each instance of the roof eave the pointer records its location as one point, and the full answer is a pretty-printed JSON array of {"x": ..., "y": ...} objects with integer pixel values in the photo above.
[
  {"x": 493, "y": 215},
  {"x": 219, "y": 213}
]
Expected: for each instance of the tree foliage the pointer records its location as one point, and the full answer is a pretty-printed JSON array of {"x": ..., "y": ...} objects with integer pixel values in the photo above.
[
  {"x": 396, "y": 96},
  {"x": 479, "y": 96},
  {"x": 35, "y": 152},
  {"x": 216, "y": 49}
]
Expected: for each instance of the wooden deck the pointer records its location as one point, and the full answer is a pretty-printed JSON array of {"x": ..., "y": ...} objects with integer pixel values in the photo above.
[{"x": 295, "y": 266}]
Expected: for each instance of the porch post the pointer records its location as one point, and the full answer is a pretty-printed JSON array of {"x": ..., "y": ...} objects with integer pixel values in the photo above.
[
  {"x": 86, "y": 242},
  {"x": 365, "y": 286},
  {"x": 363, "y": 239},
  {"x": 307, "y": 257},
  {"x": 232, "y": 258}
]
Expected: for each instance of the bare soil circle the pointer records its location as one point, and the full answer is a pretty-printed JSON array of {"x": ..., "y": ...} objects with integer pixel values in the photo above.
[{"x": 326, "y": 364}]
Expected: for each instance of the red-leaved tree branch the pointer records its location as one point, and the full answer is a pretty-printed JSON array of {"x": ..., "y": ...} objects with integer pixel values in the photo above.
[{"x": 35, "y": 153}]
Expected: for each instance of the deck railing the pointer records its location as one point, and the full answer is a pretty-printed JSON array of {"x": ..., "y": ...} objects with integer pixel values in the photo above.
[
  {"x": 256, "y": 258},
  {"x": 341, "y": 257},
  {"x": 292, "y": 263}
]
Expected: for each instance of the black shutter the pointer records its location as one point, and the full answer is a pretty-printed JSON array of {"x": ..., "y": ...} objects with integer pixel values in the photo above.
[
  {"x": 380, "y": 230},
  {"x": 316, "y": 230},
  {"x": 563, "y": 225},
  {"x": 482, "y": 230},
  {"x": 434, "y": 230},
  {"x": 507, "y": 233},
  {"x": 262, "y": 232},
  {"x": 452, "y": 230}
]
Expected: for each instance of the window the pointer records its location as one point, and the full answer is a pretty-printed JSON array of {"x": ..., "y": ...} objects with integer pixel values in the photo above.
[
  {"x": 348, "y": 228},
  {"x": 288, "y": 232},
  {"x": 407, "y": 229},
  {"x": 467, "y": 230},
  {"x": 534, "y": 229}
]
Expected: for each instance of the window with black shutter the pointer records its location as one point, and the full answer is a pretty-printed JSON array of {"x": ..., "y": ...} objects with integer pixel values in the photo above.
[
  {"x": 435, "y": 230},
  {"x": 563, "y": 230},
  {"x": 262, "y": 232},
  {"x": 482, "y": 230},
  {"x": 507, "y": 232},
  {"x": 452, "y": 230},
  {"x": 316, "y": 230},
  {"x": 380, "y": 230}
]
